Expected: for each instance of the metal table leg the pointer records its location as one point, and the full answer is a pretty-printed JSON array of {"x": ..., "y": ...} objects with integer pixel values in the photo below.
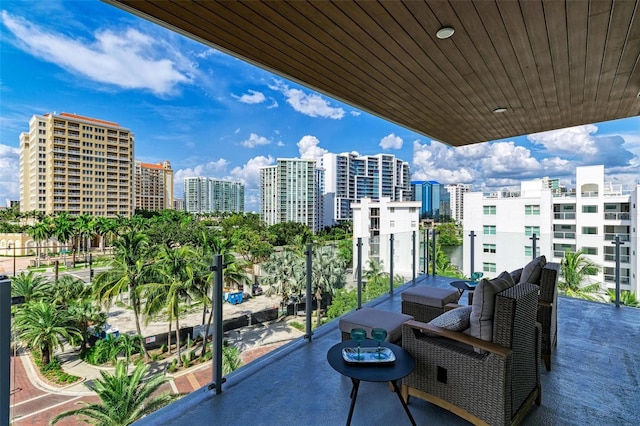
[
  {"x": 354, "y": 395},
  {"x": 404, "y": 404}
]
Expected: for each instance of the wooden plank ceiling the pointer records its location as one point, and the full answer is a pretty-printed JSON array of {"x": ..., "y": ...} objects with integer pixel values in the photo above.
[{"x": 550, "y": 63}]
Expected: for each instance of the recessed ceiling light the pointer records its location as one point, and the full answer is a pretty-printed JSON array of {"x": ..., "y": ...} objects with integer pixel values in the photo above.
[
  {"x": 445, "y": 32},
  {"x": 499, "y": 110}
]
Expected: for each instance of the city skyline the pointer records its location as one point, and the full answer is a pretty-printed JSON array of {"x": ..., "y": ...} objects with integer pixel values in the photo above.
[{"x": 215, "y": 116}]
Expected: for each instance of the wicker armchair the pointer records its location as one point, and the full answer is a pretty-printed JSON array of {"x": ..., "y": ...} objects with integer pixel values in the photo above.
[
  {"x": 496, "y": 387},
  {"x": 548, "y": 310}
]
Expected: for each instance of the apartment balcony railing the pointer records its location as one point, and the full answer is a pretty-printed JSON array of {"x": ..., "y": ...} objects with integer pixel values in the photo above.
[
  {"x": 565, "y": 235},
  {"x": 617, "y": 216},
  {"x": 612, "y": 279},
  {"x": 565, "y": 216},
  {"x": 623, "y": 237},
  {"x": 624, "y": 258}
]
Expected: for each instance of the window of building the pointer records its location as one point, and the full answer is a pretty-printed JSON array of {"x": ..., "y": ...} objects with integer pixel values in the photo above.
[
  {"x": 489, "y": 248},
  {"x": 528, "y": 251},
  {"x": 489, "y": 230},
  {"x": 532, "y": 210},
  {"x": 490, "y": 210},
  {"x": 392, "y": 223},
  {"x": 590, "y": 250},
  {"x": 530, "y": 230},
  {"x": 589, "y": 230},
  {"x": 589, "y": 209},
  {"x": 488, "y": 267}
]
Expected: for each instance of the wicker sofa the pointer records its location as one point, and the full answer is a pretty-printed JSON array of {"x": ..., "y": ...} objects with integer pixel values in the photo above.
[
  {"x": 548, "y": 310},
  {"x": 485, "y": 382}
]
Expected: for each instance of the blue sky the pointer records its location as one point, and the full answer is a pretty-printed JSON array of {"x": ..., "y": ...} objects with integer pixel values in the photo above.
[{"x": 213, "y": 115}]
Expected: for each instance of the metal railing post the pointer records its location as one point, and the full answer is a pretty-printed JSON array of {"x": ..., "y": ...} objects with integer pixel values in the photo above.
[
  {"x": 427, "y": 250},
  {"x": 433, "y": 253},
  {"x": 472, "y": 251},
  {"x": 534, "y": 238},
  {"x": 425, "y": 241},
  {"x": 391, "y": 264},
  {"x": 216, "y": 298},
  {"x": 5, "y": 350},
  {"x": 617, "y": 254},
  {"x": 413, "y": 256},
  {"x": 309, "y": 254},
  {"x": 359, "y": 272}
]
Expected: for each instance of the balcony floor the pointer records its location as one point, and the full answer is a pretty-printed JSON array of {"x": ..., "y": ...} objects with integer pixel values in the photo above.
[{"x": 595, "y": 379}]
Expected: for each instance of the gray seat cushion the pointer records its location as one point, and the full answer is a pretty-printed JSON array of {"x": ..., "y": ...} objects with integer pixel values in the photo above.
[
  {"x": 369, "y": 318},
  {"x": 431, "y": 296},
  {"x": 481, "y": 319}
]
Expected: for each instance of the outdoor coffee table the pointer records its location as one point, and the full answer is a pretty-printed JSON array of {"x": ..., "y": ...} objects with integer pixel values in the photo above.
[
  {"x": 383, "y": 372},
  {"x": 463, "y": 285}
]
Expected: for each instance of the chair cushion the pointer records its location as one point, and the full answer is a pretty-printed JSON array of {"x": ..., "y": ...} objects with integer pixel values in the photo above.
[
  {"x": 533, "y": 271},
  {"x": 454, "y": 320},
  {"x": 481, "y": 319},
  {"x": 430, "y": 296},
  {"x": 515, "y": 275},
  {"x": 369, "y": 318}
]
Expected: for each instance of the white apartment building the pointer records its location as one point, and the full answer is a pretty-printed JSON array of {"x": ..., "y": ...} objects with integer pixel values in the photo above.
[
  {"x": 350, "y": 177},
  {"x": 75, "y": 164},
  {"x": 587, "y": 218},
  {"x": 456, "y": 200},
  {"x": 153, "y": 186},
  {"x": 290, "y": 191},
  {"x": 207, "y": 195},
  {"x": 375, "y": 221}
]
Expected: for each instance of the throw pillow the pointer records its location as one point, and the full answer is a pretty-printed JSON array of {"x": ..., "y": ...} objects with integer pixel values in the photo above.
[
  {"x": 515, "y": 275},
  {"x": 455, "y": 320},
  {"x": 481, "y": 319},
  {"x": 533, "y": 271}
]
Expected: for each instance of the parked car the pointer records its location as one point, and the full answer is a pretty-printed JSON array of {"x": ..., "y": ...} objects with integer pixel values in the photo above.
[{"x": 256, "y": 290}]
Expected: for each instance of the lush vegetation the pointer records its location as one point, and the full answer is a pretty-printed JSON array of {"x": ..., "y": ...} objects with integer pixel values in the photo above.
[{"x": 575, "y": 269}]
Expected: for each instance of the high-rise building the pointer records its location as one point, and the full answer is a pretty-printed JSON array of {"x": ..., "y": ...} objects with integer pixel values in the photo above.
[
  {"x": 75, "y": 164},
  {"x": 588, "y": 219},
  {"x": 434, "y": 198},
  {"x": 290, "y": 191},
  {"x": 456, "y": 195},
  {"x": 207, "y": 195},
  {"x": 350, "y": 177},
  {"x": 153, "y": 186},
  {"x": 178, "y": 204}
]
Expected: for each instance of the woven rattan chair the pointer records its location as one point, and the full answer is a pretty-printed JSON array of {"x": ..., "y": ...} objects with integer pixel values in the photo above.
[
  {"x": 548, "y": 310},
  {"x": 496, "y": 387}
]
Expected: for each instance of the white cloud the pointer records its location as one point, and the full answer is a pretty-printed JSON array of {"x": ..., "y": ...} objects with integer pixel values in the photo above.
[
  {"x": 391, "y": 142},
  {"x": 576, "y": 140},
  {"x": 310, "y": 104},
  {"x": 255, "y": 140},
  {"x": 253, "y": 97},
  {"x": 249, "y": 173},
  {"x": 128, "y": 59},
  {"x": 355, "y": 113},
  {"x": 308, "y": 147},
  {"x": 274, "y": 104},
  {"x": 280, "y": 143},
  {"x": 9, "y": 178}
]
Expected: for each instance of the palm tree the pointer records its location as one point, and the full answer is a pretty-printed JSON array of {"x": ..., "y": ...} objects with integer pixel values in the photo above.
[
  {"x": 85, "y": 314},
  {"x": 376, "y": 279},
  {"x": 123, "y": 398},
  {"x": 44, "y": 326},
  {"x": 40, "y": 231},
  {"x": 68, "y": 289},
  {"x": 33, "y": 287},
  {"x": 62, "y": 228},
  {"x": 327, "y": 274},
  {"x": 627, "y": 297},
  {"x": 106, "y": 228},
  {"x": 574, "y": 270},
  {"x": 127, "y": 271},
  {"x": 174, "y": 269},
  {"x": 283, "y": 274},
  {"x": 129, "y": 344},
  {"x": 83, "y": 226}
]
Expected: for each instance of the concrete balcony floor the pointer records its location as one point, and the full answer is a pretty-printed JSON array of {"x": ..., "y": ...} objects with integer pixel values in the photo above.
[{"x": 595, "y": 379}]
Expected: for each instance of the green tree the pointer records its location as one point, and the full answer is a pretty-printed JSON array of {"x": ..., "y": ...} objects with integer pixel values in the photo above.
[
  {"x": 123, "y": 398},
  {"x": 84, "y": 314},
  {"x": 283, "y": 274},
  {"x": 290, "y": 233},
  {"x": 106, "y": 228},
  {"x": 68, "y": 289},
  {"x": 128, "y": 345},
  {"x": 44, "y": 326},
  {"x": 40, "y": 232},
  {"x": 31, "y": 285},
  {"x": 83, "y": 226},
  {"x": 574, "y": 269},
  {"x": 449, "y": 234},
  {"x": 63, "y": 228},
  {"x": 176, "y": 285},
  {"x": 327, "y": 275},
  {"x": 128, "y": 272},
  {"x": 627, "y": 297}
]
